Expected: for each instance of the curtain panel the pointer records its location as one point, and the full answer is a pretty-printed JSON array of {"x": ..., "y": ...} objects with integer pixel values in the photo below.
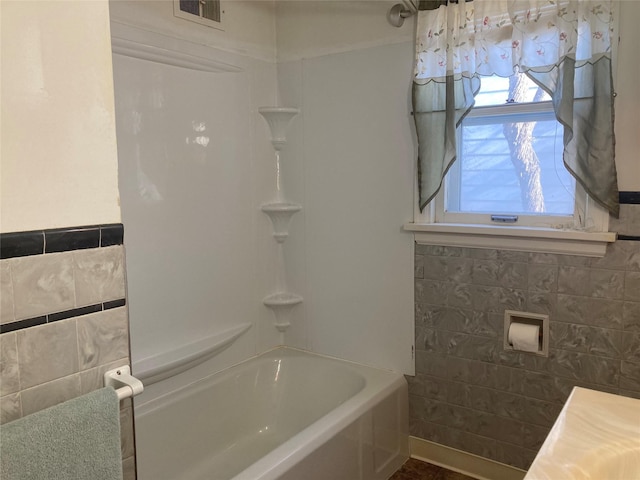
[{"x": 564, "y": 46}]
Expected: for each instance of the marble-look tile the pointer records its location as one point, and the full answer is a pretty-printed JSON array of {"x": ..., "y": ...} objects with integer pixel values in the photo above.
[
  {"x": 10, "y": 408},
  {"x": 513, "y": 275},
  {"x": 573, "y": 280},
  {"x": 9, "y": 373},
  {"x": 472, "y": 347},
  {"x": 435, "y": 268},
  {"x": 42, "y": 284},
  {"x": 540, "y": 412},
  {"x": 630, "y": 376},
  {"x": 431, "y": 363},
  {"x": 579, "y": 366},
  {"x": 470, "y": 442},
  {"x": 607, "y": 284},
  {"x": 543, "y": 278},
  {"x": 497, "y": 299},
  {"x": 534, "y": 436},
  {"x": 103, "y": 337},
  {"x": 459, "y": 295},
  {"x": 631, "y": 347},
  {"x": 568, "y": 336},
  {"x": 51, "y": 393},
  {"x": 6, "y": 293},
  {"x": 99, "y": 275},
  {"x": 543, "y": 258},
  {"x": 631, "y": 316},
  {"x": 430, "y": 291},
  {"x": 514, "y": 455},
  {"x": 418, "y": 266},
  {"x": 598, "y": 312},
  {"x": 632, "y": 286},
  {"x": 621, "y": 255},
  {"x": 485, "y": 272},
  {"x": 47, "y": 352},
  {"x": 93, "y": 378},
  {"x": 545, "y": 303}
]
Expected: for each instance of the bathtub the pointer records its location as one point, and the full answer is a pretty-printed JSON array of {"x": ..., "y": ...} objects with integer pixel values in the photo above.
[{"x": 286, "y": 414}]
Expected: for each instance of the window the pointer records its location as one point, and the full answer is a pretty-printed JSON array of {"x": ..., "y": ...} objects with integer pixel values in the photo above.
[
  {"x": 509, "y": 173},
  {"x": 205, "y": 12},
  {"x": 509, "y": 167}
]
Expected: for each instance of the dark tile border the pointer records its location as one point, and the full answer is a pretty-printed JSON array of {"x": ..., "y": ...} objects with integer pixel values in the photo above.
[
  {"x": 57, "y": 316},
  {"x": 629, "y": 198},
  {"x": 635, "y": 238},
  {"x": 38, "y": 242}
]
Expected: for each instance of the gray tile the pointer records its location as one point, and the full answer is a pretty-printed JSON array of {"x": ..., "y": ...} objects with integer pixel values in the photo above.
[
  {"x": 435, "y": 388},
  {"x": 10, "y": 408},
  {"x": 540, "y": 412},
  {"x": 429, "y": 340},
  {"x": 513, "y": 256},
  {"x": 9, "y": 372},
  {"x": 513, "y": 275},
  {"x": 534, "y": 436},
  {"x": 514, "y": 455},
  {"x": 435, "y": 268},
  {"x": 605, "y": 342},
  {"x": 568, "y": 336},
  {"x": 631, "y": 316},
  {"x": 631, "y": 347},
  {"x": 543, "y": 386},
  {"x": 507, "y": 430},
  {"x": 431, "y": 363},
  {"x": 481, "y": 253},
  {"x": 598, "y": 312},
  {"x": 507, "y": 405},
  {"x": 99, "y": 275},
  {"x": 430, "y": 291},
  {"x": 607, "y": 284},
  {"x": 472, "y": 347},
  {"x": 580, "y": 366},
  {"x": 485, "y": 272},
  {"x": 618, "y": 257},
  {"x": 430, "y": 316},
  {"x": 6, "y": 293},
  {"x": 469, "y": 442},
  {"x": 632, "y": 286},
  {"x": 478, "y": 323},
  {"x": 42, "y": 284},
  {"x": 418, "y": 266},
  {"x": 51, "y": 393},
  {"x": 545, "y": 303},
  {"x": 459, "y": 394},
  {"x": 93, "y": 378},
  {"x": 103, "y": 337},
  {"x": 497, "y": 299},
  {"x": 543, "y": 278},
  {"x": 573, "y": 280},
  {"x": 543, "y": 258},
  {"x": 630, "y": 376},
  {"x": 459, "y": 295},
  {"x": 47, "y": 352}
]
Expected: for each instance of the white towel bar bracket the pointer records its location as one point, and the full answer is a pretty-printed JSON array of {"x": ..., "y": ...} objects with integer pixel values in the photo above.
[{"x": 123, "y": 382}]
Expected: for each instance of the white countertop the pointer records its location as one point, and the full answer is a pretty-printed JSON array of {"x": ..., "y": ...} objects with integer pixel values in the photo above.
[{"x": 596, "y": 436}]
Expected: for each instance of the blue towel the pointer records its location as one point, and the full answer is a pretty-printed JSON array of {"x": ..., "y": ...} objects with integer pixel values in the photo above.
[{"x": 75, "y": 440}]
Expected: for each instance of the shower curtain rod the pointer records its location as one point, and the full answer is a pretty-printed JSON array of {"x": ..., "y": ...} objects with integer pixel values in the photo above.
[{"x": 400, "y": 11}]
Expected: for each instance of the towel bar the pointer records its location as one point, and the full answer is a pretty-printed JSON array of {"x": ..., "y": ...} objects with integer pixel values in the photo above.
[{"x": 123, "y": 382}]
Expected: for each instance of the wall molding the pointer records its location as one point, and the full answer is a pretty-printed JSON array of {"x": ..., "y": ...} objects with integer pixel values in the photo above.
[
  {"x": 57, "y": 316},
  {"x": 39, "y": 242},
  {"x": 462, "y": 462}
]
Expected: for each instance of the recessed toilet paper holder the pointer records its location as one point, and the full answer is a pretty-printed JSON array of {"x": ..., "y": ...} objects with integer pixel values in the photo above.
[{"x": 527, "y": 318}]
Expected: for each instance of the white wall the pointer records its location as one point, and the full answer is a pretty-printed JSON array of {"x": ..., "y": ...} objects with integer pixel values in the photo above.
[
  {"x": 58, "y": 160},
  {"x": 350, "y": 163}
]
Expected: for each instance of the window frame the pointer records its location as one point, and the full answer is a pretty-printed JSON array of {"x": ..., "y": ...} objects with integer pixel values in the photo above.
[{"x": 584, "y": 233}]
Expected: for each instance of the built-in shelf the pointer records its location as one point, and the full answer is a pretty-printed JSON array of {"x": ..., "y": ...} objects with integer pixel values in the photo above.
[
  {"x": 167, "y": 364},
  {"x": 280, "y": 212},
  {"x": 280, "y": 215},
  {"x": 282, "y": 303}
]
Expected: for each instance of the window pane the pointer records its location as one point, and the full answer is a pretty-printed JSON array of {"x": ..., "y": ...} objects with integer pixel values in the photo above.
[
  {"x": 190, "y": 6},
  {"x": 511, "y": 166},
  {"x": 495, "y": 91},
  {"x": 211, "y": 10}
]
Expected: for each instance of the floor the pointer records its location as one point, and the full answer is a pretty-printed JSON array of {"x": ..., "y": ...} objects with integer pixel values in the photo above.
[{"x": 416, "y": 470}]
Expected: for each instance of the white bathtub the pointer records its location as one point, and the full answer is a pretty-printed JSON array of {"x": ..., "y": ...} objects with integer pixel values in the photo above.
[{"x": 286, "y": 414}]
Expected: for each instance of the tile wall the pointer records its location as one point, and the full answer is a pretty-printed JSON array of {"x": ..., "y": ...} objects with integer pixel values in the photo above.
[
  {"x": 63, "y": 320},
  {"x": 470, "y": 394}
]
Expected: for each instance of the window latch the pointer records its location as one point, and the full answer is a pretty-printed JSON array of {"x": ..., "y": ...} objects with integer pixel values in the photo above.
[{"x": 504, "y": 218}]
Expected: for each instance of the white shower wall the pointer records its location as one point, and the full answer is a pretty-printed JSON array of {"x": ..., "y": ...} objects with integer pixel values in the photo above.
[{"x": 196, "y": 164}]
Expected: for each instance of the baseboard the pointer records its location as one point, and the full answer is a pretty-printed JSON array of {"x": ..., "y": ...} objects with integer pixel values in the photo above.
[{"x": 462, "y": 462}]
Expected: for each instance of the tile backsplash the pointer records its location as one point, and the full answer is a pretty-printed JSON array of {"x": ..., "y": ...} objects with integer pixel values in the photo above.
[
  {"x": 63, "y": 319},
  {"x": 471, "y": 394}
]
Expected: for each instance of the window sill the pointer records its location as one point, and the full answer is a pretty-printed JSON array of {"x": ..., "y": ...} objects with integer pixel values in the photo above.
[{"x": 528, "y": 239}]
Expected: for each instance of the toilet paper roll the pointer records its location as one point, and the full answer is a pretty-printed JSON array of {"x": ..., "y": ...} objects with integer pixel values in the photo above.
[{"x": 524, "y": 337}]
